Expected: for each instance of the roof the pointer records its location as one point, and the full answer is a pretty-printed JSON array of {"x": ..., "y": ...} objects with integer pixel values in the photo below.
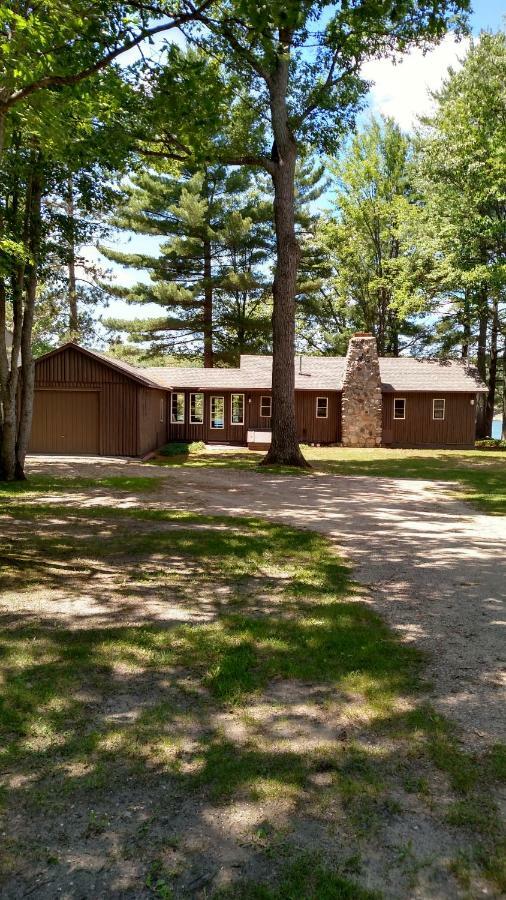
[
  {"x": 403, "y": 374},
  {"x": 134, "y": 372}
]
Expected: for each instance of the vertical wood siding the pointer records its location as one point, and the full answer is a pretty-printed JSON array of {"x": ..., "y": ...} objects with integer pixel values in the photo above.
[
  {"x": 152, "y": 432},
  {"x": 310, "y": 429},
  {"x": 71, "y": 372},
  {"x": 419, "y": 429}
]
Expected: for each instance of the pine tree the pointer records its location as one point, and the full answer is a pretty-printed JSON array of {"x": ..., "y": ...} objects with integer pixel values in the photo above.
[{"x": 209, "y": 276}]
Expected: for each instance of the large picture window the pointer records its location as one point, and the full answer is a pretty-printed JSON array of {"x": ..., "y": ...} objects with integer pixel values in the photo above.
[
  {"x": 177, "y": 409},
  {"x": 237, "y": 409},
  {"x": 217, "y": 412},
  {"x": 399, "y": 408},
  {"x": 196, "y": 409},
  {"x": 322, "y": 407},
  {"x": 265, "y": 407},
  {"x": 438, "y": 409}
]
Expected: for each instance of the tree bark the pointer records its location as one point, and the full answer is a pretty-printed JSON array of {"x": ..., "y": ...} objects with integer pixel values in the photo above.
[
  {"x": 73, "y": 311},
  {"x": 492, "y": 372},
  {"x": 481, "y": 361},
  {"x": 503, "y": 430},
  {"x": 284, "y": 449},
  {"x": 27, "y": 364},
  {"x": 208, "y": 308}
]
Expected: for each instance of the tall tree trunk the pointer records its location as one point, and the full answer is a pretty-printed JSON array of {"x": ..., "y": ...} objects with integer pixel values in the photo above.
[
  {"x": 492, "y": 371},
  {"x": 208, "y": 308},
  {"x": 27, "y": 364},
  {"x": 503, "y": 431},
  {"x": 481, "y": 361},
  {"x": 284, "y": 449},
  {"x": 73, "y": 311},
  {"x": 466, "y": 326}
]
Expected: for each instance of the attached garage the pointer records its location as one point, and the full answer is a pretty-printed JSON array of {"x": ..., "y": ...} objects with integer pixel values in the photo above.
[
  {"x": 66, "y": 422},
  {"x": 86, "y": 403}
]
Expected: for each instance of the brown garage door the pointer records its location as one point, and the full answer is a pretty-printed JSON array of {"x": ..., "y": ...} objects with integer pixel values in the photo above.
[{"x": 65, "y": 422}]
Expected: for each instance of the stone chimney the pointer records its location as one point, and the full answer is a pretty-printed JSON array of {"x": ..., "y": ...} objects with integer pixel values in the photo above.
[{"x": 361, "y": 404}]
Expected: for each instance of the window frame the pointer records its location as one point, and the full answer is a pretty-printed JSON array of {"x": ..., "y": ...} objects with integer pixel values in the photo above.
[
  {"x": 326, "y": 399},
  {"x": 438, "y": 400},
  {"x": 211, "y": 398},
  {"x": 403, "y": 417},
  {"x": 267, "y": 397},
  {"x": 194, "y": 421},
  {"x": 232, "y": 408},
  {"x": 175, "y": 421}
]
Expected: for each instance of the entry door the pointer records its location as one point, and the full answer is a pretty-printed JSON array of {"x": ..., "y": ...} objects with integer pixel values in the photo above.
[{"x": 65, "y": 422}]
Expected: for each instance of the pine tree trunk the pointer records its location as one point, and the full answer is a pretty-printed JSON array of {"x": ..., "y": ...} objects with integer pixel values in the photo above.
[
  {"x": 284, "y": 449},
  {"x": 503, "y": 431},
  {"x": 481, "y": 361},
  {"x": 208, "y": 308},
  {"x": 73, "y": 311},
  {"x": 27, "y": 364},
  {"x": 492, "y": 372}
]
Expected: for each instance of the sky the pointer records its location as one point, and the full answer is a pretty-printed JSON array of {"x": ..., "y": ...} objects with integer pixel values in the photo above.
[{"x": 399, "y": 90}]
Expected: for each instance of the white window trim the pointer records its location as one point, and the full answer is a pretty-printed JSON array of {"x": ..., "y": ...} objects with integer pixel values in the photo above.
[
  {"x": 232, "y": 408},
  {"x": 216, "y": 397},
  {"x": 162, "y": 410},
  {"x": 174, "y": 421},
  {"x": 326, "y": 407},
  {"x": 438, "y": 400},
  {"x": 194, "y": 421},
  {"x": 399, "y": 418},
  {"x": 269, "y": 398}
]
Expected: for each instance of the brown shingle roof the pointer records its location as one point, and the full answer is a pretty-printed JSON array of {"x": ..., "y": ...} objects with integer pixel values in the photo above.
[{"x": 323, "y": 373}]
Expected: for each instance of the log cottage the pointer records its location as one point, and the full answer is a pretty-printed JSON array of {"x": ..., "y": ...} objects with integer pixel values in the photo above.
[{"x": 88, "y": 403}]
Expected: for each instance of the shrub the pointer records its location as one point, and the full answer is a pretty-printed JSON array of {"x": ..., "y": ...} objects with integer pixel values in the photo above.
[
  {"x": 182, "y": 448},
  {"x": 491, "y": 444}
]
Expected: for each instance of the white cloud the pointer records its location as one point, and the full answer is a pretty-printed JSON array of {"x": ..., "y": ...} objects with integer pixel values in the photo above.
[{"x": 401, "y": 90}]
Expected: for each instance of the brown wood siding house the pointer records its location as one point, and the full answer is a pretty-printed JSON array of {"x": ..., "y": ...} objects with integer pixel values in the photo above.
[{"x": 88, "y": 403}]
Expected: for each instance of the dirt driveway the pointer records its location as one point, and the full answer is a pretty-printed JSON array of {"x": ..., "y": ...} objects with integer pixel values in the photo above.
[{"x": 435, "y": 569}]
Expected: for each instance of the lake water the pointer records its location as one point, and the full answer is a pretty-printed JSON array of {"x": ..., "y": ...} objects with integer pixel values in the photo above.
[{"x": 496, "y": 429}]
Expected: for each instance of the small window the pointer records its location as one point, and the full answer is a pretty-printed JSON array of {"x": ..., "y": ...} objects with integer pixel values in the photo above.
[
  {"x": 162, "y": 408},
  {"x": 265, "y": 407},
  {"x": 322, "y": 407},
  {"x": 237, "y": 409},
  {"x": 177, "y": 409},
  {"x": 399, "y": 408},
  {"x": 196, "y": 409},
  {"x": 438, "y": 409},
  {"x": 217, "y": 412}
]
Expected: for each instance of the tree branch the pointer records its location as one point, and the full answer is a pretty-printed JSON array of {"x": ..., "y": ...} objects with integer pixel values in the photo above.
[{"x": 50, "y": 81}]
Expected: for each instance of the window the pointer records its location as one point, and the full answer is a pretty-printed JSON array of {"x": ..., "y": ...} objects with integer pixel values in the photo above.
[
  {"x": 322, "y": 407},
  {"x": 237, "y": 409},
  {"x": 217, "y": 412},
  {"x": 266, "y": 407},
  {"x": 438, "y": 409},
  {"x": 196, "y": 409},
  {"x": 177, "y": 408},
  {"x": 399, "y": 408},
  {"x": 162, "y": 405}
]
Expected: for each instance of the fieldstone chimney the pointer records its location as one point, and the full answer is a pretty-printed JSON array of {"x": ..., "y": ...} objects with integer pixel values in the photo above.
[{"x": 361, "y": 403}]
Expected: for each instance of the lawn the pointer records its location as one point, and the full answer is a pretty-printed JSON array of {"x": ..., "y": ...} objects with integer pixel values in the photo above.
[
  {"x": 477, "y": 476},
  {"x": 202, "y": 706}
]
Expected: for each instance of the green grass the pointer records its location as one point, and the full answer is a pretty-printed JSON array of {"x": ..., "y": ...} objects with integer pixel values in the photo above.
[
  {"x": 44, "y": 484},
  {"x": 480, "y": 476},
  {"x": 278, "y": 607}
]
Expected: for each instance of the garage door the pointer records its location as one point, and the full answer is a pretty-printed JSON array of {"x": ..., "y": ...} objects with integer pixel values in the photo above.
[{"x": 65, "y": 422}]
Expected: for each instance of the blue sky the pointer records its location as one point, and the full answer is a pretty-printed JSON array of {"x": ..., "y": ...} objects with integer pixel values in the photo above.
[{"x": 400, "y": 91}]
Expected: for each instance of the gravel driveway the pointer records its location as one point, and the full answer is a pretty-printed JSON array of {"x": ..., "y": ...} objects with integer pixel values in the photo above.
[{"x": 434, "y": 568}]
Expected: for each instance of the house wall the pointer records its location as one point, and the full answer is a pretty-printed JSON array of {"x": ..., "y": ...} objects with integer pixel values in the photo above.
[
  {"x": 419, "y": 429},
  {"x": 310, "y": 429},
  {"x": 117, "y": 396},
  {"x": 152, "y": 418}
]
